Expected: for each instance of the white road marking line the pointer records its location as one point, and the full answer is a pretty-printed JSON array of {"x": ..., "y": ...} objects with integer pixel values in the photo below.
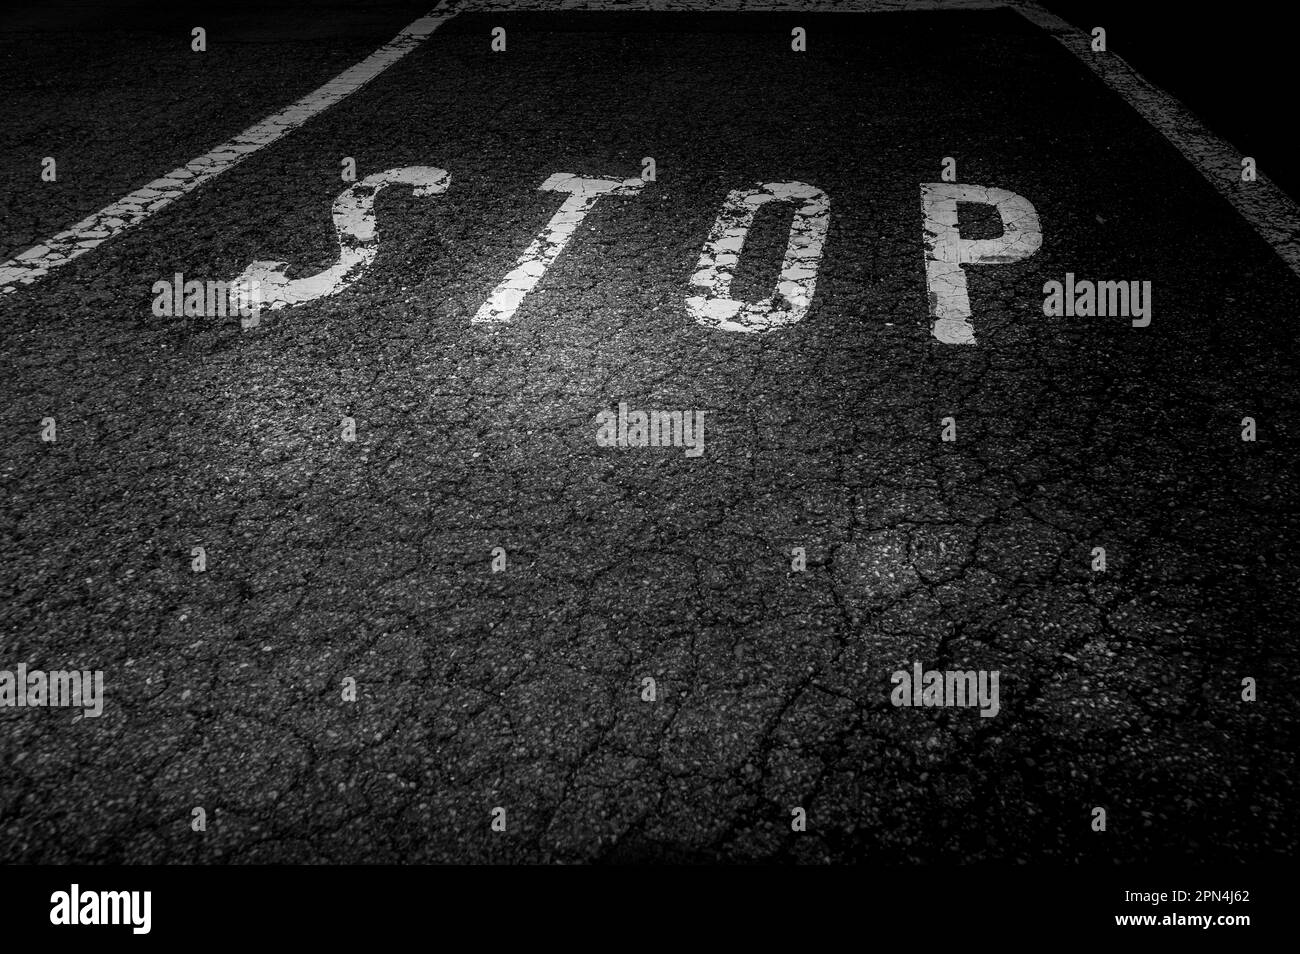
[
  {"x": 1269, "y": 210},
  {"x": 1272, "y": 213},
  {"x": 354, "y": 222},
  {"x": 537, "y": 258},
  {"x": 90, "y": 232},
  {"x": 946, "y": 251},
  {"x": 726, "y": 241}
]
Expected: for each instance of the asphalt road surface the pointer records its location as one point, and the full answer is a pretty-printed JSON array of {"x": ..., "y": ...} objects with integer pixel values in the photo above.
[{"x": 371, "y": 560}]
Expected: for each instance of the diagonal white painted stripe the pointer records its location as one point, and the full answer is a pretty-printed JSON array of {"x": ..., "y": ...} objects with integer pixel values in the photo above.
[
  {"x": 1272, "y": 213},
  {"x": 142, "y": 203}
]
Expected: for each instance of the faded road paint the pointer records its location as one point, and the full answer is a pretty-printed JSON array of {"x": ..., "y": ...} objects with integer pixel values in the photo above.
[
  {"x": 1273, "y": 214},
  {"x": 946, "y": 251},
  {"x": 537, "y": 258},
  {"x": 354, "y": 221},
  {"x": 112, "y": 220},
  {"x": 722, "y": 249}
]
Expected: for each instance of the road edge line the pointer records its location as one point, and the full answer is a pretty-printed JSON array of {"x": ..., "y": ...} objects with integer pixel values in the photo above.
[
  {"x": 129, "y": 211},
  {"x": 1272, "y": 213}
]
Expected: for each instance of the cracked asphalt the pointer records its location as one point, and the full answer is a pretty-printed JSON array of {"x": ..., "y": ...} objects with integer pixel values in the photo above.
[{"x": 522, "y": 689}]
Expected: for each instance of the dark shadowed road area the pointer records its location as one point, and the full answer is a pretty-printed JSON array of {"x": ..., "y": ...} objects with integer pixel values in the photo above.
[{"x": 372, "y": 560}]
